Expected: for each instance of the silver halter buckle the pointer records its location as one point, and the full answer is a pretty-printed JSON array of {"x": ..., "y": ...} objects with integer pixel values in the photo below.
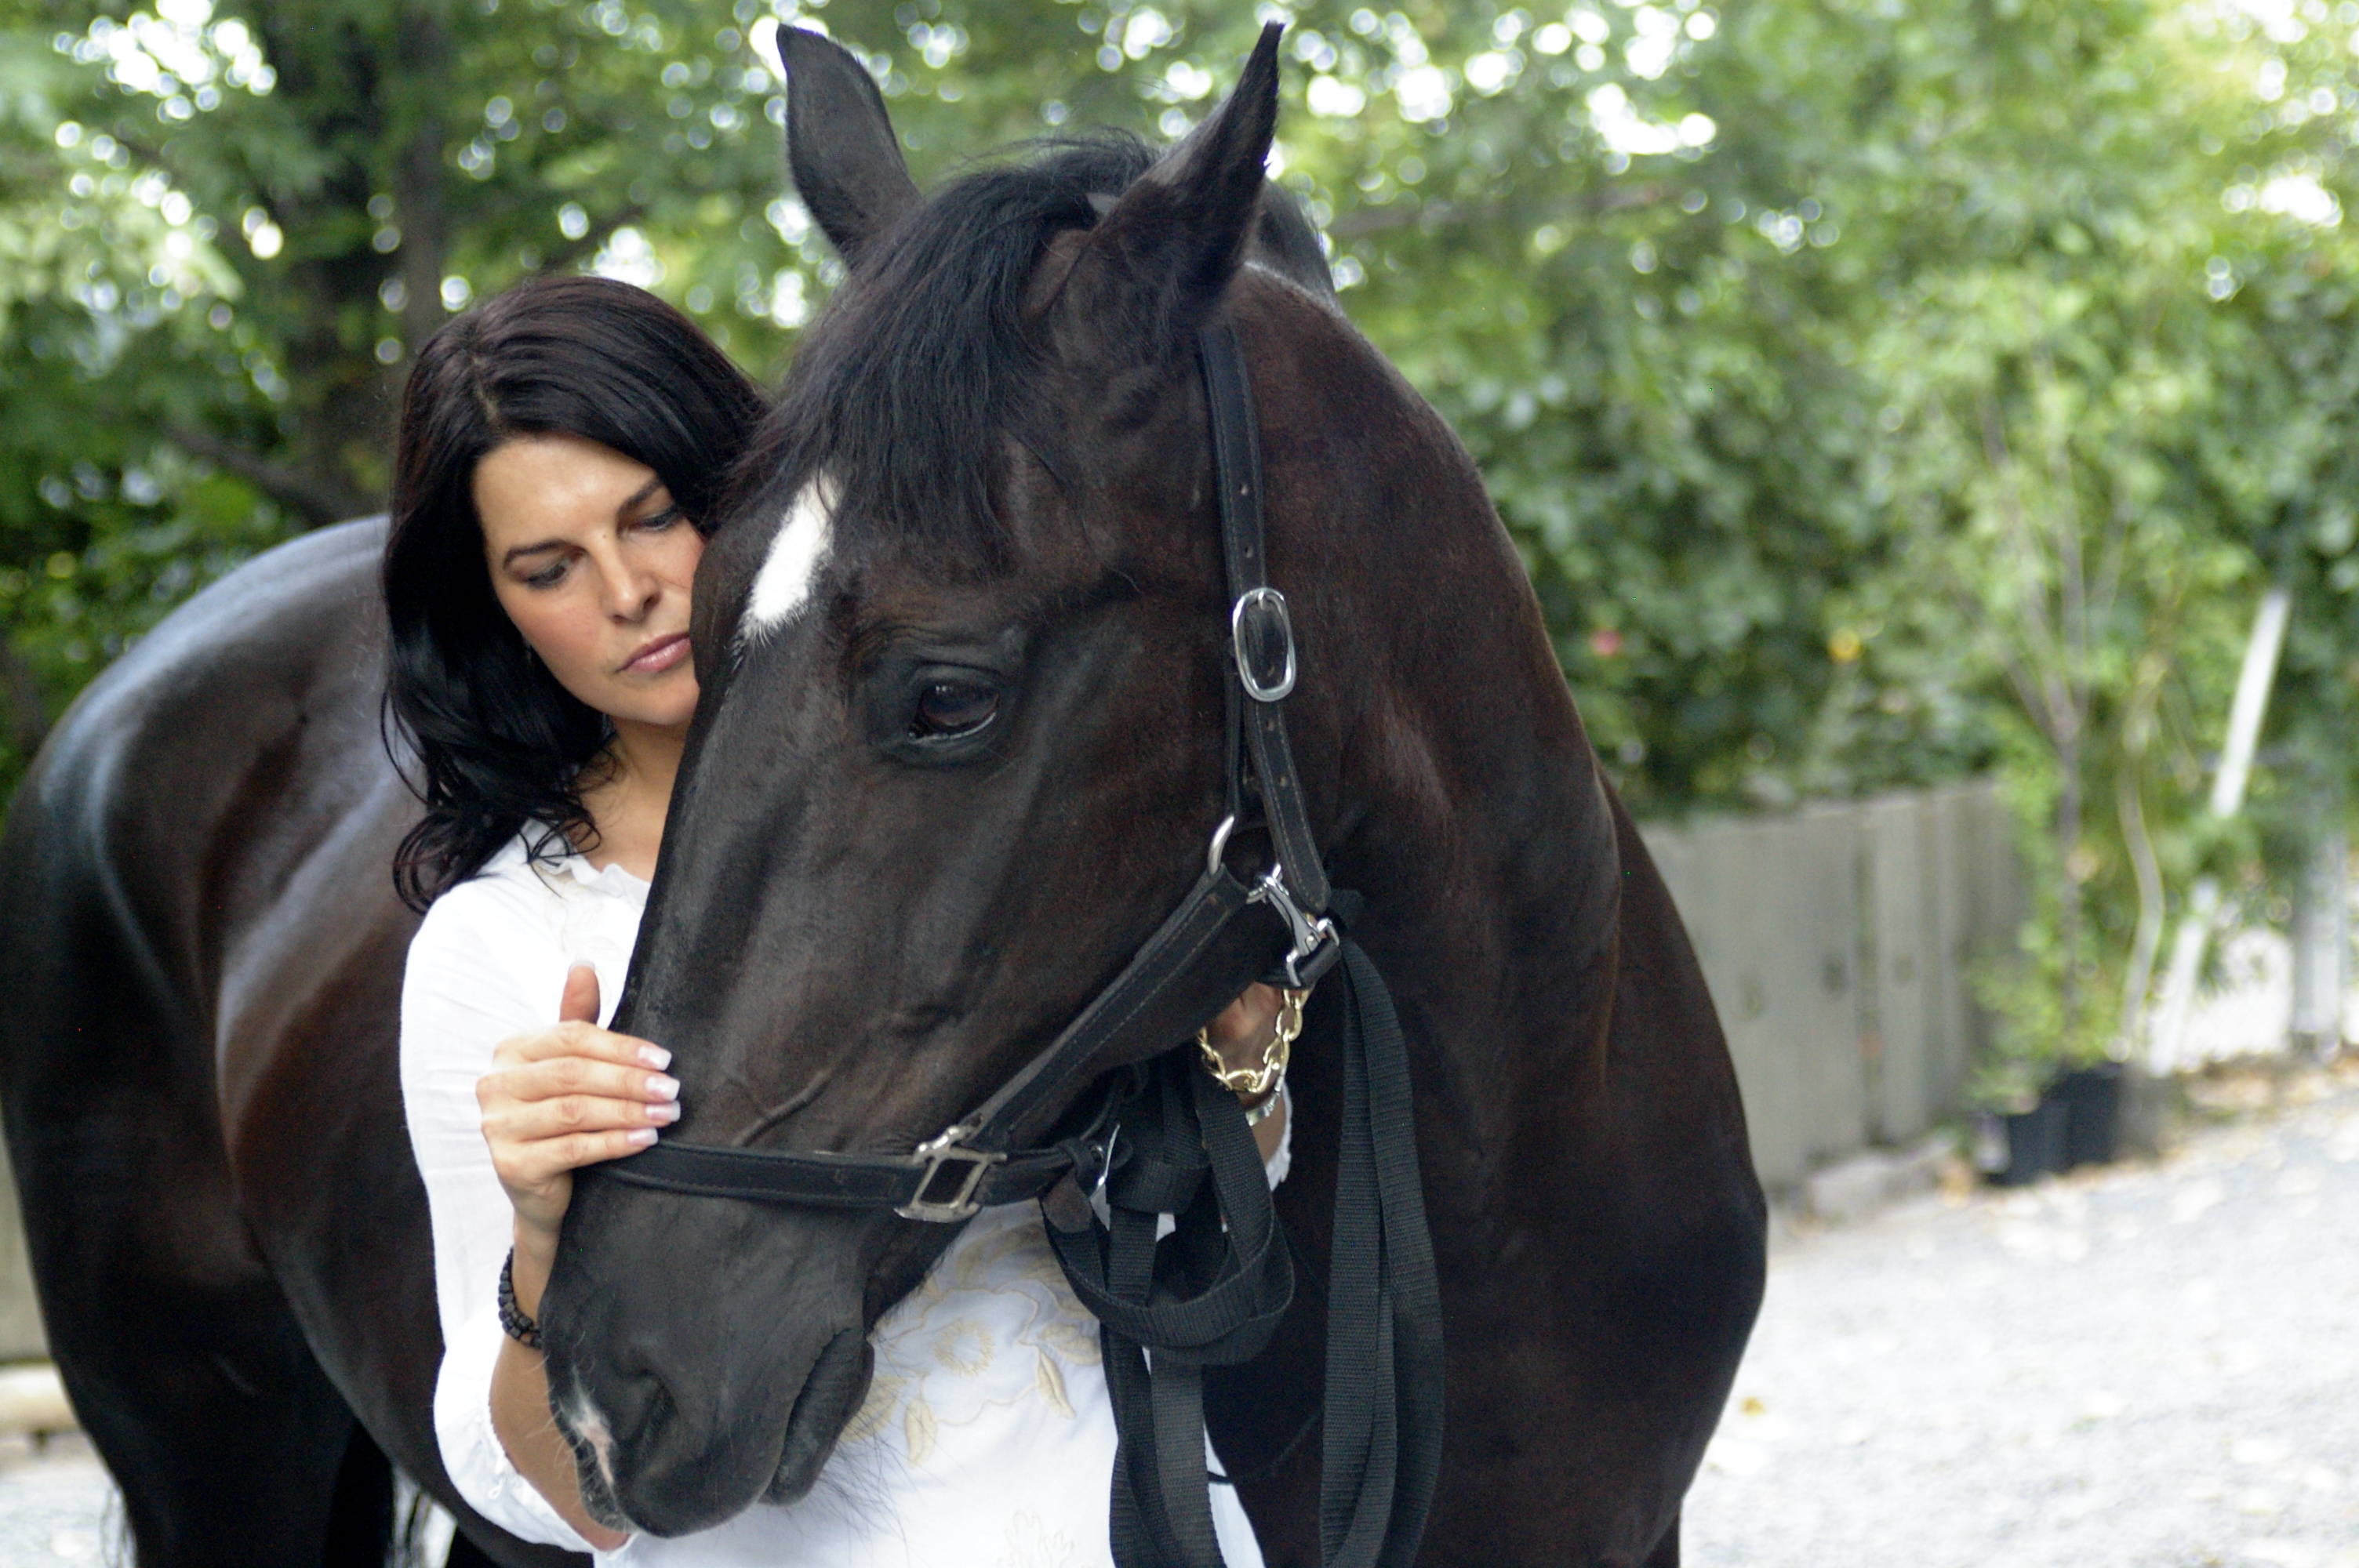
[
  {"x": 960, "y": 1204},
  {"x": 1261, "y": 632}
]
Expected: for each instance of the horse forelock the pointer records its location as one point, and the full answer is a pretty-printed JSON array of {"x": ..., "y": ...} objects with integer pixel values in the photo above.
[
  {"x": 924, "y": 364},
  {"x": 927, "y": 366}
]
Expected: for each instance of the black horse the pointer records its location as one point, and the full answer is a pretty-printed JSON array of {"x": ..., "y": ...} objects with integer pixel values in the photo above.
[{"x": 941, "y": 785}]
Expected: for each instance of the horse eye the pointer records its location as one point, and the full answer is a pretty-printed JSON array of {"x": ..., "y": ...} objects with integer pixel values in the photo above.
[{"x": 953, "y": 707}]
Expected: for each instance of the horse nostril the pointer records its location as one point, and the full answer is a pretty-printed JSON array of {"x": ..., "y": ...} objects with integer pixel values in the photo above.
[
  {"x": 647, "y": 1392},
  {"x": 634, "y": 1400}
]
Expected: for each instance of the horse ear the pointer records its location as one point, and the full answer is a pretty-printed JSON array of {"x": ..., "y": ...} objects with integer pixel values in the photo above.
[
  {"x": 1162, "y": 254},
  {"x": 841, "y": 150}
]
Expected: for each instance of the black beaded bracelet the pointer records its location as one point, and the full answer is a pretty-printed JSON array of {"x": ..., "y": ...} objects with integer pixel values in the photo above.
[{"x": 513, "y": 1322}]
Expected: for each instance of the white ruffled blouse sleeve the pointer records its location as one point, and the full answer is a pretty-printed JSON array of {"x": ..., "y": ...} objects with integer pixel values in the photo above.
[{"x": 483, "y": 967}]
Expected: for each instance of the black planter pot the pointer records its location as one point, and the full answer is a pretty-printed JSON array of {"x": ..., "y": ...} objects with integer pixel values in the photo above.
[
  {"x": 2035, "y": 1144},
  {"x": 2090, "y": 1098}
]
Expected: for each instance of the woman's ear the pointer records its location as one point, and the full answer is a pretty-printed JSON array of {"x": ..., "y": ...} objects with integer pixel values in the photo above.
[{"x": 840, "y": 151}]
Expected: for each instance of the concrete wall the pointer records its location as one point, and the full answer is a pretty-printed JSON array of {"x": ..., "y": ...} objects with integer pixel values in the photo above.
[{"x": 1837, "y": 941}]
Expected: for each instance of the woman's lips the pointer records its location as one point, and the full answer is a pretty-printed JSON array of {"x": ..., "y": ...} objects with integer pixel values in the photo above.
[{"x": 658, "y": 655}]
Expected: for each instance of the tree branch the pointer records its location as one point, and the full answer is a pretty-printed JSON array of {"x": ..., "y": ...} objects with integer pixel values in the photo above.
[
  {"x": 2030, "y": 608},
  {"x": 319, "y": 502},
  {"x": 20, "y": 691},
  {"x": 420, "y": 174}
]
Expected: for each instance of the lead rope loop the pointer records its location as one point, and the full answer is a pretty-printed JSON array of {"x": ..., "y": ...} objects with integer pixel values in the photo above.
[{"x": 1213, "y": 1292}]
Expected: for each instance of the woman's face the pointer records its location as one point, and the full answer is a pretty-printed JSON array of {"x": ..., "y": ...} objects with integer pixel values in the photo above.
[{"x": 592, "y": 560}]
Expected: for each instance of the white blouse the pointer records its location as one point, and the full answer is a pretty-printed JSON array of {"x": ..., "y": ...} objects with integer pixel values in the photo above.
[{"x": 987, "y": 1439}]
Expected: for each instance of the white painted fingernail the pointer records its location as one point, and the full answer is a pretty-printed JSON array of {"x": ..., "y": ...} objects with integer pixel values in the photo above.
[
  {"x": 654, "y": 1056},
  {"x": 666, "y": 1111},
  {"x": 663, "y": 1088},
  {"x": 640, "y": 1136}
]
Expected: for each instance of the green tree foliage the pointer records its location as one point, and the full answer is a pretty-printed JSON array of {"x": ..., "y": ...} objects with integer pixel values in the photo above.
[
  {"x": 1877, "y": 393},
  {"x": 227, "y": 227}
]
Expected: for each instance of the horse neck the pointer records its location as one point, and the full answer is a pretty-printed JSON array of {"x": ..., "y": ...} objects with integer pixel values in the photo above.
[{"x": 1467, "y": 804}]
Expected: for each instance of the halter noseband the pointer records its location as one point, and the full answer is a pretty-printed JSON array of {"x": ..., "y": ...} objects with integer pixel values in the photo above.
[{"x": 970, "y": 1165}]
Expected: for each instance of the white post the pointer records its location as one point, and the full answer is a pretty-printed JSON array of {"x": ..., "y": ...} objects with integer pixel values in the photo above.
[
  {"x": 2244, "y": 717},
  {"x": 2251, "y": 704},
  {"x": 2321, "y": 934}
]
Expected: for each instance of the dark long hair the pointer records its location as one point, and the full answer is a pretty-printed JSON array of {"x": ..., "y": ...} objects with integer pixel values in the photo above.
[{"x": 496, "y": 743}]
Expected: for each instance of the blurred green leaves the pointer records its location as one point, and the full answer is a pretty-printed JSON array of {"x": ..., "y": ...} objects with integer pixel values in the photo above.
[{"x": 1877, "y": 391}]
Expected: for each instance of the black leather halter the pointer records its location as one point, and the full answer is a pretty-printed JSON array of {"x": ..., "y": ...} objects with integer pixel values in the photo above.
[
  {"x": 1216, "y": 1292},
  {"x": 969, "y": 1165}
]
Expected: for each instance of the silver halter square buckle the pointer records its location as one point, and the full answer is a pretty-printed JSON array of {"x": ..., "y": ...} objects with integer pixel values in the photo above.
[{"x": 960, "y": 1203}]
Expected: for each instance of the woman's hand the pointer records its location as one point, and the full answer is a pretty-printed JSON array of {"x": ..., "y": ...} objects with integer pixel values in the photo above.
[
  {"x": 1246, "y": 1027},
  {"x": 1242, "y": 1035},
  {"x": 569, "y": 1097},
  {"x": 572, "y": 1096}
]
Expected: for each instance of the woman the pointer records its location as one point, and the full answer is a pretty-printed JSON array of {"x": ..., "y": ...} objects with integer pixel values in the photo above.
[{"x": 561, "y": 448}]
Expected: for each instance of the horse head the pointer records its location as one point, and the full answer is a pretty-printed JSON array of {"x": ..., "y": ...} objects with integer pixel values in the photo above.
[{"x": 959, "y": 745}]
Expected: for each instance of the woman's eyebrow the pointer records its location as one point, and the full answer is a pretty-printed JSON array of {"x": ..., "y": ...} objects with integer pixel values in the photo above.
[
  {"x": 639, "y": 495},
  {"x": 630, "y": 504},
  {"x": 509, "y": 559}
]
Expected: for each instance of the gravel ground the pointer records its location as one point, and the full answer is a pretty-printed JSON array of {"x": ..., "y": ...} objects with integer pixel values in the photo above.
[
  {"x": 2147, "y": 1367},
  {"x": 2136, "y": 1367},
  {"x": 56, "y": 1504}
]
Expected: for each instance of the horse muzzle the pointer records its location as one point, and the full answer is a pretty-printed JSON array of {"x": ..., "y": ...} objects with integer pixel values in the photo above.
[
  {"x": 690, "y": 1394},
  {"x": 646, "y": 1465}
]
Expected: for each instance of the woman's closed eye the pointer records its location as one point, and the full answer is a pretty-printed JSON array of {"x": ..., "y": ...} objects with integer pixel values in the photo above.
[{"x": 551, "y": 574}]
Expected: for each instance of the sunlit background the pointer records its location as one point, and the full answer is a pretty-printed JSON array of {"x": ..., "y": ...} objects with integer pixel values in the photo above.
[
  {"x": 1882, "y": 393},
  {"x": 1895, "y": 402}
]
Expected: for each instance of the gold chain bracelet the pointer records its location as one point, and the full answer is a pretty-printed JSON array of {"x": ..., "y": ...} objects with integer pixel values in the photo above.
[{"x": 1259, "y": 1081}]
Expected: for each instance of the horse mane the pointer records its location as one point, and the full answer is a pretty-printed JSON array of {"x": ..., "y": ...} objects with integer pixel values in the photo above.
[
  {"x": 921, "y": 363},
  {"x": 918, "y": 366}
]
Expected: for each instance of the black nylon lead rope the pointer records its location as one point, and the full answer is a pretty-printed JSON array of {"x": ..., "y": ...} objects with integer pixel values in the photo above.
[
  {"x": 1381, "y": 1453},
  {"x": 1381, "y": 1449}
]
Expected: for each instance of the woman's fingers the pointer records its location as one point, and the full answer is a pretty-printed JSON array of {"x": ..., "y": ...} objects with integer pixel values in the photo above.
[
  {"x": 577, "y": 1038},
  {"x": 1247, "y": 1027},
  {"x": 557, "y": 1077},
  {"x": 536, "y": 1143},
  {"x": 535, "y": 1165},
  {"x": 532, "y": 1120}
]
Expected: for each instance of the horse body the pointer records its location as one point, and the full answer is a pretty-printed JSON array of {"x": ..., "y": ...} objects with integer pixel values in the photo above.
[
  {"x": 854, "y": 934},
  {"x": 861, "y": 924},
  {"x": 199, "y": 1000}
]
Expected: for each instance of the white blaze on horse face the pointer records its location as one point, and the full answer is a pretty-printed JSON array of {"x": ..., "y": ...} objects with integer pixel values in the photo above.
[{"x": 784, "y": 584}]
